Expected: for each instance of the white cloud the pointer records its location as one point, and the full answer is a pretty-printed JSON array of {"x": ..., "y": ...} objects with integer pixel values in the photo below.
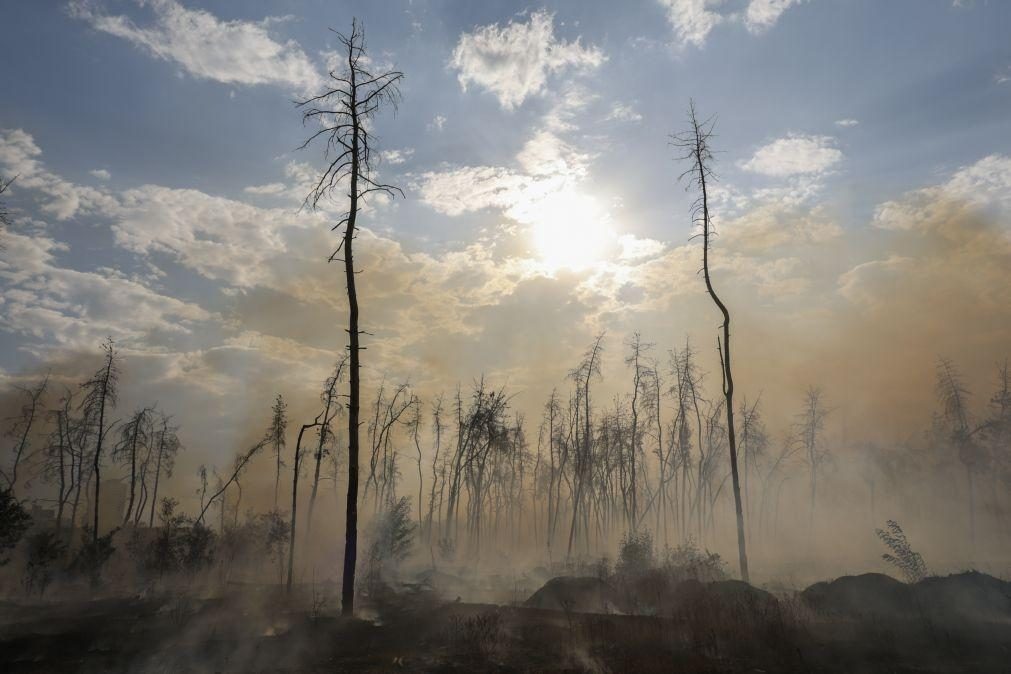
[
  {"x": 470, "y": 188},
  {"x": 101, "y": 174},
  {"x": 774, "y": 223},
  {"x": 547, "y": 154},
  {"x": 795, "y": 154},
  {"x": 72, "y": 308},
  {"x": 982, "y": 186},
  {"x": 763, "y": 14},
  {"x": 846, "y": 123},
  {"x": 395, "y": 157},
  {"x": 437, "y": 124},
  {"x": 19, "y": 155},
  {"x": 624, "y": 113},
  {"x": 515, "y": 60},
  {"x": 693, "y": 20},
  {"x": 863, "y": 283},
  {"x": 219, "y": 238},
  {"x": 269, "y": 188},
  {"x": 231, "y": 52}
]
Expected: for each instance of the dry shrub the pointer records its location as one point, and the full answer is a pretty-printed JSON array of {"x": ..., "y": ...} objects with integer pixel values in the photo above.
[{"x": 476, "y": 636}]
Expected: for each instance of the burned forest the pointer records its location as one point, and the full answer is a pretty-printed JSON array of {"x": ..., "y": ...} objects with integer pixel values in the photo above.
[{"x": 466, "y": 337}]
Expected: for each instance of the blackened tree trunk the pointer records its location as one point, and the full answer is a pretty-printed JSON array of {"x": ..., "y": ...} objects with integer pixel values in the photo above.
[
  {"x": 294, "y": 500},
  {"x": 695, "y": 144},
  {"x": 342, "y": 111},
  {"x": 101, "y": 395}
]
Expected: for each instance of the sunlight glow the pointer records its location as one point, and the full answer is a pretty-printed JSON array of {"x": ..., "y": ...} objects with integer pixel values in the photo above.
[{"x": 570, "y": 231}]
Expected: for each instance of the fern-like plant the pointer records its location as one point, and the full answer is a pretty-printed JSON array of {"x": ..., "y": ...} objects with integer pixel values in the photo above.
[{"x": 902, "y": 556}]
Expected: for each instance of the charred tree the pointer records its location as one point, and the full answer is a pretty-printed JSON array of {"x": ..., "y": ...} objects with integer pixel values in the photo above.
[
  {"x": 343, "y": 112},
  {"x": 133, "y": 437},
  {"x": 694, "y": 145},
  {"x": 331, "y": 407},
  {"x": 166, "y": 447},
  {"x": 277, "y": 437},
  {"x": 22, "y": 426},
  {"x": 101, "y": 393}
]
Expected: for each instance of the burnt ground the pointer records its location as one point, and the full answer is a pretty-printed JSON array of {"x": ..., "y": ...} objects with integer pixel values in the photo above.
[{"x": 714, "y": 627}]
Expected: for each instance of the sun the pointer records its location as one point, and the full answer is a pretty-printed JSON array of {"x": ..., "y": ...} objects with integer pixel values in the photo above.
[{"x": 570, "y": 231}]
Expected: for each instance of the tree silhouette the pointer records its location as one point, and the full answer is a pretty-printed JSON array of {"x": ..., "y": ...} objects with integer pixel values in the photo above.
[
  {"x": 276, "y": 436},
  {"x": 5, "y": 216},
  {"x": 343, "y": 112},
  {"x": 694, "y": 147},
  {"x": 101, "y": 393},
  {"x": 21, "y": 428}
]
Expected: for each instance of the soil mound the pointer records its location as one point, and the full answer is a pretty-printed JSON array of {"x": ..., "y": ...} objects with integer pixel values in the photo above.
[
  {"x": 971, "y": 595},
  {"x": 869, "y": 594},
  {"x": 577, "y": 594},
  {"x": 725, "y": 597}
]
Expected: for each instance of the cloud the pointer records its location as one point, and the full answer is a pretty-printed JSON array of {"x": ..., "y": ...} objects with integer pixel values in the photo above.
[
  {"x": 846, "y": 123},
  {"x": 69, "y": 308},
  {"x": 231, "y": 52},
  {"x": 268, "y": 188},
  {"x": 983, "y": 187},
  {"x": 20, "y": 156},
  {"x": 548, "y": 164},
  {"x": 763, "y": 14},
  {"x": 775, "y": 223},
  {"x": 101, "y": 174},
  {"x": 437, "y": 124},
  {"x": 624, "y": 113},
  {"x": 693, "y": 20},
  {"x": 470, "y": 188},
  {"x": 514, "y": 61},
  {"x": 547, "y": 154},
  {"x": 795, "y": 154},
  {"x": 221, "y": 239},
  {"x": 395, "y": 157}
]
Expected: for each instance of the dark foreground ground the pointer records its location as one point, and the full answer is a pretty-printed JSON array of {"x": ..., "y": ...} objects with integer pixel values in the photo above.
[{"x": 856, "y": 624}]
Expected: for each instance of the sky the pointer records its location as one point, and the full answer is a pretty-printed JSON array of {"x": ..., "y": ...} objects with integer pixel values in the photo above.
[{"x": 863, "y": 203}]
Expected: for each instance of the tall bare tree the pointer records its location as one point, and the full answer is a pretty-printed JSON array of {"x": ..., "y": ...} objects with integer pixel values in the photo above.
[
  {"x": 583, "y": 375},
  {"x": 809, "y": 427},
  {"x": 954, "y": 398},
  {"x": 22, "y": 426},
  {"x": 329, "y": 398},
  {"x": 101, "y": 393},
  {"x": 277, "y": 437},
  {"x": 694, "y": 147},
  {"x": 166, "y": 446},
  {"x": 5, "y": 184},
  {"x": 134, "y": 436},
  {"x": 343, "y": 112}
]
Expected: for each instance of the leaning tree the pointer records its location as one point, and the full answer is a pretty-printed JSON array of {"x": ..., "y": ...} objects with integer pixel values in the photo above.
[
  {"x": 693, "y": 145},
  {"x": 343, "y": 112},
  {"x": 101, "y": 393}
]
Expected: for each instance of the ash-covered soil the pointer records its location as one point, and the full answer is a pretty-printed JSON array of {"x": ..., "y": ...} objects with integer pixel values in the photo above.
[{"x": 867, "y": 623}]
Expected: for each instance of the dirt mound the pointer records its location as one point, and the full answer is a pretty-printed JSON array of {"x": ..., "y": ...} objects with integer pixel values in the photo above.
[
  {"x": 725, "y": 597},
  {"x": 577, "y": 594},
  {"x": 864, "y": 595},
  {"x": 970, "y": 595}
]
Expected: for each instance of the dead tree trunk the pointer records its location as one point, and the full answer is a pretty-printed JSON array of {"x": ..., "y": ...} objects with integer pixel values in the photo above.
[
  {"x": 294, "y": 498},
  {"x": 342, "y": 111},
  {"x": 695, "y": 144},
  {"x": 101, "y": 394}
]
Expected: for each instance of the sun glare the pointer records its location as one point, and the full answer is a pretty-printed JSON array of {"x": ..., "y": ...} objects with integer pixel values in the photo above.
[{"x": 570, "y": 231}]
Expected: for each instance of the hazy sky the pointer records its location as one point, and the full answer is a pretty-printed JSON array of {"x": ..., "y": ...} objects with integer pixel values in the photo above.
[{"x": 863, "y": 203}]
